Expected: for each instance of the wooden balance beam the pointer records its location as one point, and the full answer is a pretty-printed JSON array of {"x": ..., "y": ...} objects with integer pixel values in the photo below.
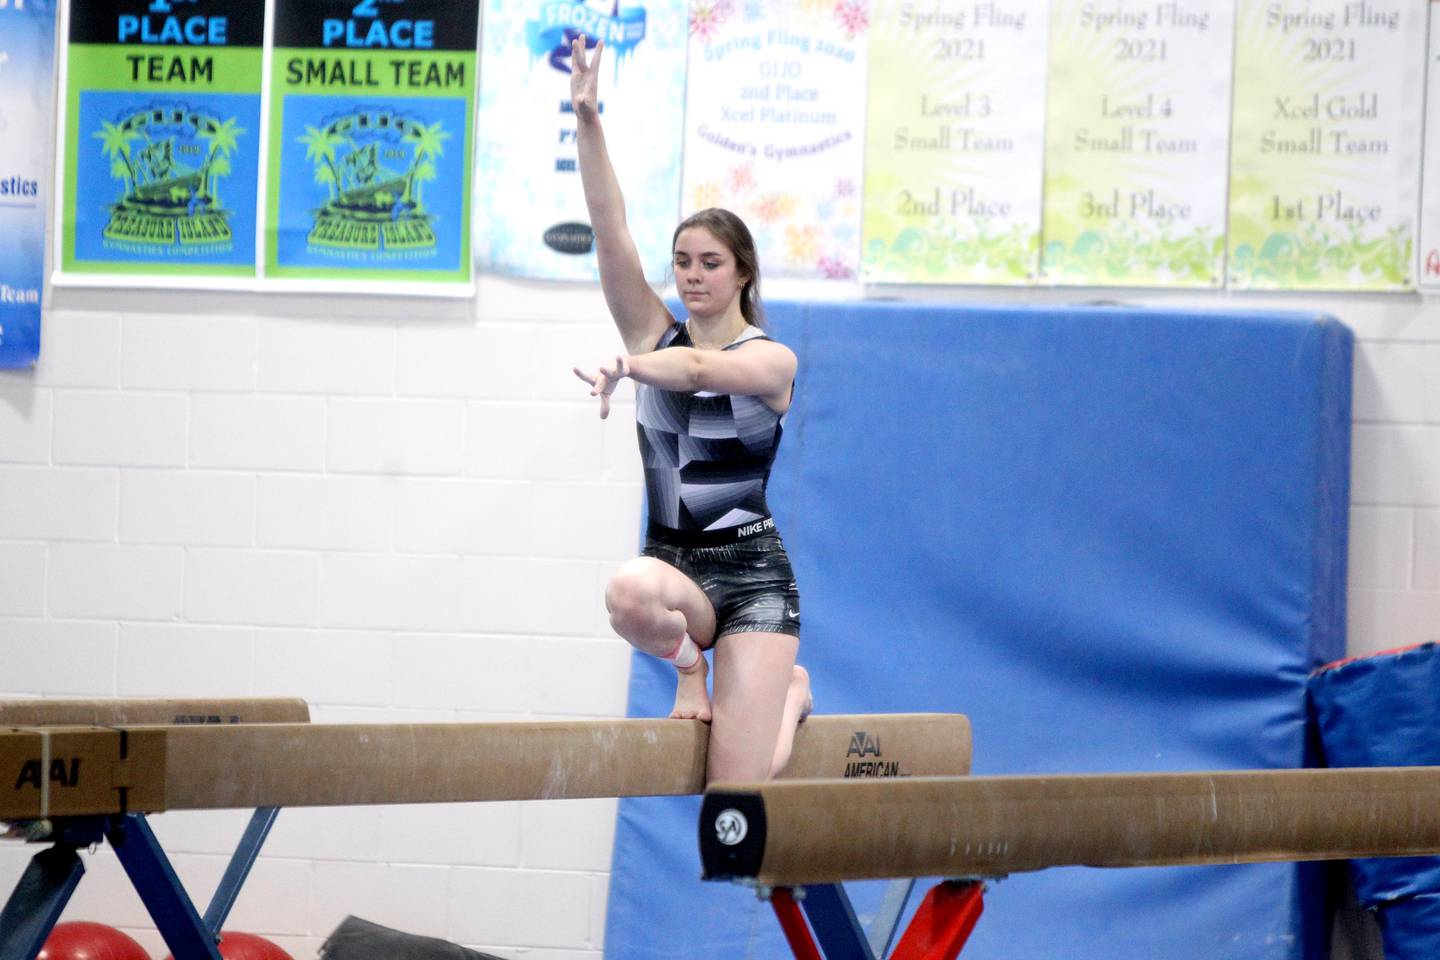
[
  {"x": 77, "y": 771},
  {"x": 106, "y": 713},
  {"x": 793, "y": 834}
]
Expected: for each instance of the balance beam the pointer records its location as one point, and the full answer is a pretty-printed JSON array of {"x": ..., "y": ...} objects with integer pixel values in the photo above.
[
  {"x": 794, "y": 834},
  {"x": 78, "y": 771},
  {"x": 107, "y": 713}
]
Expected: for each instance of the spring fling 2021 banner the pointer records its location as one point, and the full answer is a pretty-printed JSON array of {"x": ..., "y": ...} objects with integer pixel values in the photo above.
[
  {"x": 161, "y": 143},
  {"x": 1136, "y": 153},
  {"x": 531, "y": 219},
  {"x": 371, "y": 132},
  {"x": 954, "y": 149},
  {"x": 1325, "y": 168},
  {"x": 27, "y": 55}
]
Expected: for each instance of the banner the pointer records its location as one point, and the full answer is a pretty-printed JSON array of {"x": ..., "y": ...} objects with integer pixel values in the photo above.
[
  {"x": 1430, "y": 179},
  {"x": 774, "y": 127},
  {"x": 27, "y": 79},
  {"x": 531, "y": 218},
  {"x": 160, "y": 154},
  {"x": 1137, "y": 143},
  {"x": 370, "y": 139},
  {"x": 1324, "y": 181},
  {"x": 954, "y": 152}
]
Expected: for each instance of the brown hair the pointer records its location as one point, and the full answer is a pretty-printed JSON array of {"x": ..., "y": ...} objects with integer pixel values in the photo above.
[{"x": 731, "y": 231}]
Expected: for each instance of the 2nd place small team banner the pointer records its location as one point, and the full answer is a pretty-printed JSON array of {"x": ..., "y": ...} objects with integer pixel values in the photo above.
[{"x": 370, "y": 139}]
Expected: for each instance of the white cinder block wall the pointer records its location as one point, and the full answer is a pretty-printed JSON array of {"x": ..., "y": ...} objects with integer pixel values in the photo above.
[{"x": 405, "y": 510}]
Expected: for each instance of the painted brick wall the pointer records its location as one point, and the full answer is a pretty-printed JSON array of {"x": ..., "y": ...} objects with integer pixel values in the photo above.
[
  {"x": 406, "y": 511},
  {"x": 405, "y": 516}
]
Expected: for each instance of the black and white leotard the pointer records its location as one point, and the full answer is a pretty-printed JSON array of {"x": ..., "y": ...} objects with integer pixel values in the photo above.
[{"x": 707, "y": 456}]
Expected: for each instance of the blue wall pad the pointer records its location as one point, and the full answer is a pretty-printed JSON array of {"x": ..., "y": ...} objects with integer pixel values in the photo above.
[
  {"x": 1115, "y": 537},
  {"x": 1384, "y": 711}
]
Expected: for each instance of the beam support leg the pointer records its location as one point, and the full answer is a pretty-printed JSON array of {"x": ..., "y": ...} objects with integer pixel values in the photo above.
[
  {"x": 160, "y": 890},
  {"x": 38, "y": 900},
  {"x": 792, "y": 921},
  {"x": 833, "y": 919},
  {"x": 943, "y": 923},
  {"x": 245, "y": 854}
]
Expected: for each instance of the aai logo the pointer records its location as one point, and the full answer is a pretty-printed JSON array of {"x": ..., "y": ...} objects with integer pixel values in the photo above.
[{"x": 863, "y": 744}]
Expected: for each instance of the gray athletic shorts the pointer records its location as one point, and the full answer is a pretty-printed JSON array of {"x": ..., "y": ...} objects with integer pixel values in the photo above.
[{"x": 749, "y": 582}]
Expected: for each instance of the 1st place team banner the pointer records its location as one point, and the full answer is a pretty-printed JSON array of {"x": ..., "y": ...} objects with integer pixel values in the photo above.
[{"x": 160, "y": 149}]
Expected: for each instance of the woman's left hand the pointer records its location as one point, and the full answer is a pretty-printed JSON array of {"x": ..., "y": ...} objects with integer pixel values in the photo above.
[{"x": 603, "y": 384}]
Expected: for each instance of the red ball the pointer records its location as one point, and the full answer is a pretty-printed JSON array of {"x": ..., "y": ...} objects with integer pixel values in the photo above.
[
  {"x": 247, "y": 946},
  {"x": 82, "y": 940}
]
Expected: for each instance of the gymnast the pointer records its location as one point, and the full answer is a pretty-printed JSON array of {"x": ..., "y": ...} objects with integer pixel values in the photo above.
[{"x": 710, "y": 398}]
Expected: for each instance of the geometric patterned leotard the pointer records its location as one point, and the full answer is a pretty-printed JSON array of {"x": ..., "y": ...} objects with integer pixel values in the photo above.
[{"x": 707, "y": 456}]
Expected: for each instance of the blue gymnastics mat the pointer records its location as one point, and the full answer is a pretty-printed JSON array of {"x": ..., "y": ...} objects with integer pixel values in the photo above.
[{"x": 1114, "y": 537}]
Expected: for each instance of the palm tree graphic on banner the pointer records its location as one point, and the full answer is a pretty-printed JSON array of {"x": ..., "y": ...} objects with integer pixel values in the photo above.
[
  {"x": 373, "y": 165},
  {"x": 166, "y": 200}
]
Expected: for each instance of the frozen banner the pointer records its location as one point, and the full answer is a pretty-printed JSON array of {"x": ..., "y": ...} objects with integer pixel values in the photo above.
[
  {"x": 27, "y": 59},
  {"x": 954, "y": 151},
  {"x": 1324, "y": 182},
  {"x": 530, "y": 217},
  {"x": 161, "y": 143},
  {"x": 775, "y": 126},
  {"x": 370, "y": 139},
  {"x": 1137, "y": 143},
  {"x": 1430, "y": 179}
]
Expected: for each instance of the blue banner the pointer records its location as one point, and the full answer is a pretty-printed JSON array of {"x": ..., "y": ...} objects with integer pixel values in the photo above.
[{"x": 27, "y": 82}]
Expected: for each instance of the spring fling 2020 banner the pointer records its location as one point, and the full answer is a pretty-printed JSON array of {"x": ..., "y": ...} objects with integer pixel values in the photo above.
[
  {"x": 160, "y": 156},
  {"x": 371, "y": 130},
  {"x": 27, "y": 49},
  {"x": 775, "y": 126}
]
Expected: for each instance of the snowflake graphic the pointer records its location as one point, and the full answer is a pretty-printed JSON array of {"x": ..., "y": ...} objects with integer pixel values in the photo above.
[
  {"x": 742, "y": 178},
  {"x": 707, "y": 195},
  {"x": 833, "y": 268},
  {"x": 844, "y": 188},
  {"x": 801, "y": 243},
  {"x": 854, "y": 16},
  {"x": 706, "y": 18},
  {"x": 754, "y": 10}
]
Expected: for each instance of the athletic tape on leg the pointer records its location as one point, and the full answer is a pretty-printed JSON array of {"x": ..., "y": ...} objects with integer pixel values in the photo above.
[{"x": 685, "y": 655}]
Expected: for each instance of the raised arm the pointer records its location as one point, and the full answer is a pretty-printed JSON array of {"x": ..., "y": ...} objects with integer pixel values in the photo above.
[{"x": 640, "y": 315}]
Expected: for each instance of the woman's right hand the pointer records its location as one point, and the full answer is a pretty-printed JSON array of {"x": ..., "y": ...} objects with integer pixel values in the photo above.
[{"x": 585, "y": 79}]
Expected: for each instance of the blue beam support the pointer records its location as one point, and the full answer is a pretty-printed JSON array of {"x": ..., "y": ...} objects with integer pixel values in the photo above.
[
  {"x": 255, "y": 833},
  {"x": 160, "y": 890},
  {"x": 38, "y": 900},
  {"x": 831, "y": 916}
]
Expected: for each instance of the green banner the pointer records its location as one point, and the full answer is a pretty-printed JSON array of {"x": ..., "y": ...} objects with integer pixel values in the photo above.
[
  {"x": 161, "y": 149},
  {"x": 371, "y": 135}
]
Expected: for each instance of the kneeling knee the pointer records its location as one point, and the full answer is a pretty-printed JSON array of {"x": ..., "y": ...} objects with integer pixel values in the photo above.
[{"x": 632, "y": 599}]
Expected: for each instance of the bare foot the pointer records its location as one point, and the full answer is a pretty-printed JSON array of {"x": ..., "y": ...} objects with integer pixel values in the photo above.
[
  {"x": 692, "y": 700},
  {"x": 800, "y": 689}
]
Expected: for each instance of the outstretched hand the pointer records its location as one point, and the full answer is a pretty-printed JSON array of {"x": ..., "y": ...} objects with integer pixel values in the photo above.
[
  {"x": 585, "y": 78},
  {"x": 603, "y": 384}
]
